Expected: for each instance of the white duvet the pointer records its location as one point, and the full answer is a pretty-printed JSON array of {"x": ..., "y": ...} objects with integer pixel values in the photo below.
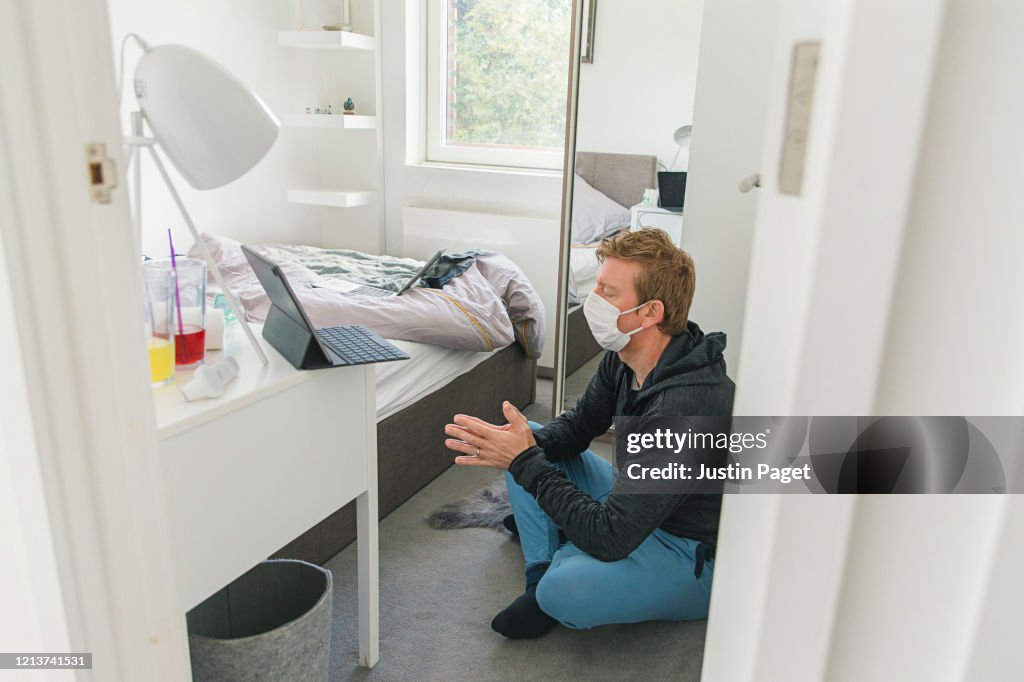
[{"x": 486, "y": 308}]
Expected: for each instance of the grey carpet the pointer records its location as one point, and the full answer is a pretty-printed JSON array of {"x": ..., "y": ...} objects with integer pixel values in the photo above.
[
  {"x": 540, "y": 411},
  {"x": 439, "y": 590},
  {"x": 577, "y": 382}
]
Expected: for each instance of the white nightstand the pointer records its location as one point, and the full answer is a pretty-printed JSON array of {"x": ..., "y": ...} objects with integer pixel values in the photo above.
[{"x": 643, "y": 215}]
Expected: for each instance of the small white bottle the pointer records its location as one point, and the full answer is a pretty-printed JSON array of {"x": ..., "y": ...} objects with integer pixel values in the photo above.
[{"x": 209, "y": 380}]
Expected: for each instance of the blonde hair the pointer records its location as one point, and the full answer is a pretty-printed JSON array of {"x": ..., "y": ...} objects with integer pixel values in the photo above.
[{"x": 667, "y": 272}]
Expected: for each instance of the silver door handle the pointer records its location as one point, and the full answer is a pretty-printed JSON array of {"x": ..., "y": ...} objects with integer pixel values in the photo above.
[{"x": 750, "y": 182}]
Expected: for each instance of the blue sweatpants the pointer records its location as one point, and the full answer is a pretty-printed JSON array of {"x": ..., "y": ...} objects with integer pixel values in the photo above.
[{"x": 657, "y": 581}]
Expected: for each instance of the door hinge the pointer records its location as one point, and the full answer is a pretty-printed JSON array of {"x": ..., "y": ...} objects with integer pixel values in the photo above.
[{"x": 102, "y": 172}]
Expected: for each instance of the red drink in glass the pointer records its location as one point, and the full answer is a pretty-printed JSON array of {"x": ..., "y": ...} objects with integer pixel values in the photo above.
[{"x": 190, "y": 347}]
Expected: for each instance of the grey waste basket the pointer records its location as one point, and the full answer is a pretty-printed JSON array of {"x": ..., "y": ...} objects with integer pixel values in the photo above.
[{"x": 273, "y": 623}]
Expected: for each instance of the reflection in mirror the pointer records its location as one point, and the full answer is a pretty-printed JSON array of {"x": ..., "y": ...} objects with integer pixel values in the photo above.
[{"x": 633, "y": 128}]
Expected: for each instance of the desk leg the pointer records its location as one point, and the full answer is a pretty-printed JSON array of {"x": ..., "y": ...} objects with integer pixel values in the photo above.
[
  {"x": 369, "y": 588},
  {"x": 367, "y": 523}
]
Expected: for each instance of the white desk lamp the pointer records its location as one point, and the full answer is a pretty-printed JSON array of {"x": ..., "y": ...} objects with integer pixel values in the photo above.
[
  {"x": 682, "y": 137},
  {"x": 212, "y": 128}
]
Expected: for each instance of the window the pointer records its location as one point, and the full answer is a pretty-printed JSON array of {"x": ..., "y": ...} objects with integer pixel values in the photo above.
[{"x": 496, "y": 81}]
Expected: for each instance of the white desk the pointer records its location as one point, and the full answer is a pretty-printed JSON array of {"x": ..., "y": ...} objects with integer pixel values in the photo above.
[
  {"x": 643, "y": 215},
  {"x": 252, "y": 470}
]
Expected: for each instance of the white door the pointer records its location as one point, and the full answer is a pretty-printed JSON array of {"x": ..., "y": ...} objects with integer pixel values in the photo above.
[
  {"x": 734, "y": 69},
  {"x": 822, "y": 267},
  {"x": 88, "y": 517}
]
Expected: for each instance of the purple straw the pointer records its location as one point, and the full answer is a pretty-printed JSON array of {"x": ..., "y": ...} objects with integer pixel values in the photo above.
[{"x": 177, "y": 292}]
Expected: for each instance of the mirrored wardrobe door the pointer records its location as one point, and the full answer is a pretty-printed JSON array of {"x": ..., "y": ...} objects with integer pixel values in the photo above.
[
  {"x": 635, "y": 74},
  {"x": 562, "y": 289}
]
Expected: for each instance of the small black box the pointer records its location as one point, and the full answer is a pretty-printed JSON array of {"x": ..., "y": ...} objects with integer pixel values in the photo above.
[{"x": 671, "y": 190}]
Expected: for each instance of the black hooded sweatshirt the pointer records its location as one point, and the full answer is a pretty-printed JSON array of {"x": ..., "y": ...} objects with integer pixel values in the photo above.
[{"x": 688, "y": 381}]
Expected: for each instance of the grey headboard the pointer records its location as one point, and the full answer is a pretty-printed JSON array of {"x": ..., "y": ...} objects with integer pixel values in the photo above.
[{"x": 623, "y": 177}]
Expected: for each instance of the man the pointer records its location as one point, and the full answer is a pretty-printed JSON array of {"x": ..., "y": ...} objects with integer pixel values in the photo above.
[{"x": 628, "y": 557}]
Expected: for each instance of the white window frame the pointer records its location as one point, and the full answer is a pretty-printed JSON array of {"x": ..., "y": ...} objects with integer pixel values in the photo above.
[{"x": 436, "y": 82}]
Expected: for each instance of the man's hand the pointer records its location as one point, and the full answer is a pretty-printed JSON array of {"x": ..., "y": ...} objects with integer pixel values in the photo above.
[{"x": 488, "y": 445}]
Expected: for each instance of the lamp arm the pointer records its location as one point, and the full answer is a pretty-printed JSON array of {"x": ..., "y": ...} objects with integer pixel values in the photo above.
[
  {"x": 137, "y": 131},
  {"x": 143, "y": 45},
  {"x": 208, "y": 257},
  {"x": 133, "y": 158},
  {"x": 675, "y": 158},
  {"x": 133, "y": 169}
]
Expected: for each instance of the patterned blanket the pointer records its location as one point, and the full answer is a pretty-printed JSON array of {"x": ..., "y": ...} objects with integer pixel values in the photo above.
[{"x": 489, "y": 306}]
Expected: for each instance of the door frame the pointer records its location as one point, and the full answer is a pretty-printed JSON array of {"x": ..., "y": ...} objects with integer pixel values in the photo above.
[
  {"x": 88, "y": 437},
  {"x": 565, "y": 237}
]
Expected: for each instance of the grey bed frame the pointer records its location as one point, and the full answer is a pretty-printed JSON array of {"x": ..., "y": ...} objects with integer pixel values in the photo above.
[
  {"x": 410, "y": 449},
  {"x": 622, "y": 177}
]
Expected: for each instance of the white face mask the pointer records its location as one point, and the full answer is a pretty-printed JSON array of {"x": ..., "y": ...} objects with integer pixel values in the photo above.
[{"x": 603, "y": 319}]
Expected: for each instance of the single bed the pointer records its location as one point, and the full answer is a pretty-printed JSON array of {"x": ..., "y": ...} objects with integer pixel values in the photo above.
[
  {"x": 428, "y": 369},
  {"x": 623, "y": 178}
]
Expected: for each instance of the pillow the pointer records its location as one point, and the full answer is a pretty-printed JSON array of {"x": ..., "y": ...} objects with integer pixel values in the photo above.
[{"x": 594, "y": 215}]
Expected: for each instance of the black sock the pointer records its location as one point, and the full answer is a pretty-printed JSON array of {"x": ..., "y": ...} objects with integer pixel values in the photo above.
[
  {"x": 510, "y": 524},
  {"x": 523, "y": 618},
  {"x": 512, "y": 527}
]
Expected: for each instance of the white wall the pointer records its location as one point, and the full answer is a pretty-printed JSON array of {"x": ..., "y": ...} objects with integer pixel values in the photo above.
[
  {"x": 736, "y": 55},
  {"x": 409, "y": 181},
  {"x": 917, "y": 572},
  {"x": 242, "y": 36},
  {"x": 954, "y": 342},
  {"x": 640, "y": 87},
  {"x": 994, "y": 650},
  {"x": 957, "y": 325}
]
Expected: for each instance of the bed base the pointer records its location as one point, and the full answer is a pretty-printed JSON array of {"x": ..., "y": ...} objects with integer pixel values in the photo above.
[{"x": 580, "y": 345}]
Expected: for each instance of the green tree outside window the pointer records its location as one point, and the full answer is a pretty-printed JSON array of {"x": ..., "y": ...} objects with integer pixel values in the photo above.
[{"x": 508, "y": 68}]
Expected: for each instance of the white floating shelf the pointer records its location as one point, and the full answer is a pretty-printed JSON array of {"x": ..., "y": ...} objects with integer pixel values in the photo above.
[
  {"x": 353, "y": 122},
  {"x": 326, "y": 40},
  {"x": 326, "y": 196}
]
